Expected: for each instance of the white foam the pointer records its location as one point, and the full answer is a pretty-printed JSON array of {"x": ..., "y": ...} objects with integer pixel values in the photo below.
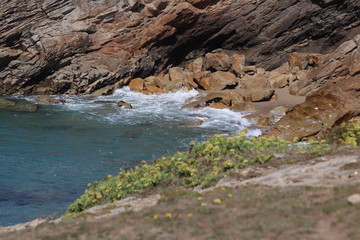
[{"x": 156, "y": 109}]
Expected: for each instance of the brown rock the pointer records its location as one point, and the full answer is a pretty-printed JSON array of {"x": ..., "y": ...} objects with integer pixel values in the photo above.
[
  {"x": 279, "y": 110},
  {"x": 48, "y": 99},
  {"x": 154, "y": 89},
  {"x": 238, "y": 62},
  {"x": 217, "y": 62},
  {"x": 219, "y": 81},
  {"x": 242, "y": 106},
  {"x": 200, "y": 75},
  {"x": 162, "y": 80},
  {"x": 324, "y": 108},
  {"x": 260, "y": 71},
  {"x": 137, "y": 84},
  {"x": 177, "y": 74},
  {"x": 305, "y": 60},
  {"x": 226, "y": 97},
  {"x": 263, "y": 120},
  {"x": 218, "y": 105},
  {"x": 255, "y": 82},
  {"x": 195, "y": 104},
  {"x": 107, "y": 90},
  {"x": 151, "y": 80},
  {"x": 124, "y": 104},
  {"x": 251, "y": 70},
  {"x": 196, "y": 65},
  {"x": 174, "y": 86},
  {"x": 64, "y": 41},
  {"x": 259, "y": 95},
  {"x": 279, "y": 80}
]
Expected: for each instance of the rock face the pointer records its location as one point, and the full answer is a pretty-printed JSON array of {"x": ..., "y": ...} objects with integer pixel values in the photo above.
[
  {"x": 333, "y": 93},
  {"x": 83, "y": 46}
]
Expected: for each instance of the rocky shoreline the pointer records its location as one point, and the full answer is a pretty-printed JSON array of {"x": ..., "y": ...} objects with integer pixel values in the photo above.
[
  {"x": 94, "y": 47},
  {"x": 296, "y": 59},
  {"x": 323, "y": 88}
]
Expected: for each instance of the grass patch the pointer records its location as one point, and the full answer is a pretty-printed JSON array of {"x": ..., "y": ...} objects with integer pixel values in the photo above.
[{"x": 203, "y": 165}]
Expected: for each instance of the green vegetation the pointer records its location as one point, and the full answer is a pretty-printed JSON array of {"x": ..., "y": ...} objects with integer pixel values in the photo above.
[
  {"x": 203, "y": 165},
  {"x": 346, "y": 134}
]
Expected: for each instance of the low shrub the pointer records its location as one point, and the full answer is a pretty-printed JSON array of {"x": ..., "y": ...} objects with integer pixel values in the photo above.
[{"x": 203, "y": 165}]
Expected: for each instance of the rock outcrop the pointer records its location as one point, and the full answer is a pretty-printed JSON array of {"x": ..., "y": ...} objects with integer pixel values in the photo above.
[
  {"x": 84, "y": 47},
  {"x": 332, "y": 89}
]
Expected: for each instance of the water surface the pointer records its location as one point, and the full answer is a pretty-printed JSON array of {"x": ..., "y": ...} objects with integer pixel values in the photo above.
[{"x": 48, "y": 157}]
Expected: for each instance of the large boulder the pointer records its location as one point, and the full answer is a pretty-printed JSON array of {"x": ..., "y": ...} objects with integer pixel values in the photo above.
[
  {"x": 259, "y": 95},
  {"x": 217, "y": 62},
  {"x": 137, "y": 84},
  {"x": 219, "y": 81},
  {"x": 227, "y": 98}
]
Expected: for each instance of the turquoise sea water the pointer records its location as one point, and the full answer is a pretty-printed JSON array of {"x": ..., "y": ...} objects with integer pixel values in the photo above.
[{"x": 48, "y": 157}]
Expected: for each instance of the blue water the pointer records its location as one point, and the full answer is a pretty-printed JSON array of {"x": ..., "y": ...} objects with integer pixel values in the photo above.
[{"x": 48, "y": 157}]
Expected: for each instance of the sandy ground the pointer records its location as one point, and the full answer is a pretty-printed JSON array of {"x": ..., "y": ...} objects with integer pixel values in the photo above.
[{"x": 283, "y": 99}]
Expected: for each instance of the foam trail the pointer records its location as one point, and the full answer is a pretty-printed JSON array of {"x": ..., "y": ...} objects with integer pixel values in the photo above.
[{"x": 156, "y": 109}]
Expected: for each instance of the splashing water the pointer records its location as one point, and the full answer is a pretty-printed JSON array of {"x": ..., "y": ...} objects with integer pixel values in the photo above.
[{"x": 47, "y": 157}]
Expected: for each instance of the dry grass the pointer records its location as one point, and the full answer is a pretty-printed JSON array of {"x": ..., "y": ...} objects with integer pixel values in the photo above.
[{"x": 252, "y": 212}]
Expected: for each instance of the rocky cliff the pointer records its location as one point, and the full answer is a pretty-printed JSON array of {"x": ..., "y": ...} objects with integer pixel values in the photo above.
[{"x": 79, "y": 46}]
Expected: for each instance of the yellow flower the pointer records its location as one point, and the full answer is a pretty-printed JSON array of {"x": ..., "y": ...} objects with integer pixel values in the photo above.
[
  {"x": 199, "y": 198},
  {"x": 189, "y": 215},
  {"x": 169, "y": 215},
  {"x": 155, "y": 217},
  {"x": 230, "y": 195},
  {"x": 223, "y": 188},
  {"x": 218, "y": 201}
]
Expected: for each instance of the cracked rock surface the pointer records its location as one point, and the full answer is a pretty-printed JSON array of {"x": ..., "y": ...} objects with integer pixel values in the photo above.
[{"x": 80, "y": 46}]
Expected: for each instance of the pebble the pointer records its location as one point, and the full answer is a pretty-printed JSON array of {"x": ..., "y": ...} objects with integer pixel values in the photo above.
[{"x": 354, "y": 199}]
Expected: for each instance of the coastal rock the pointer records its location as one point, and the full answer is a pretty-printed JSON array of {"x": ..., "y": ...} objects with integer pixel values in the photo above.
[
  {"x": 279, "y": 80},
  {"x": 18, "y": 106},
  {"x": 250, "y": 70},
  {"x": 154, "y": 89},
  {"x": 196, "y": 65},
  {"x": 227, "y": 98},
  {"x": 124, "y": 104},
  {"x": 305, "y": 60},
  {"x": 242, "y": 106},
  {"x": 280, "y": 110},
  {"x": 176, "y": 74},
  {"x": 4, "y": 103},
  {"x": 325, "y": 108},
  {"x": 62, "y": 47},
  {"x": 238, "y": 62},
  {"x": 332, "y": 95},
  {"x": 48, "y": 99},
  {"x": 258, "y": 95},
  {"x": 137, "y": 84},
  {"x": 217, "y": 62},
  {"x": 262, "y": 120},
  {"x": 219, "y": 81},
  {"x": 342, "y": 62}
]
